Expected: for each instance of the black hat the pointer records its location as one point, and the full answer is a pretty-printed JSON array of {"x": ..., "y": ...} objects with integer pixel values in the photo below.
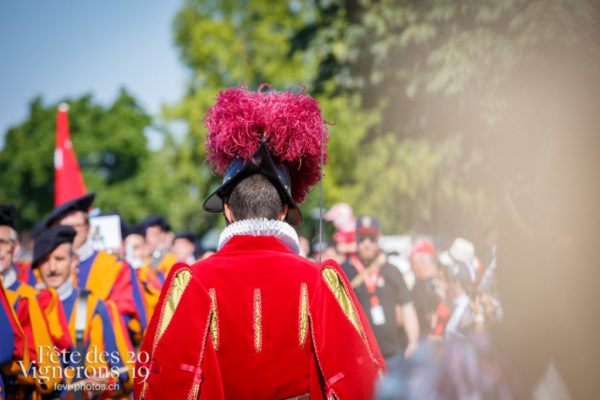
[
  {"x": 7, "y": 215},
  {"x": 50, "y": 239},
  {"x": 281, "y": 135},
  {"x": 136, "y": 229},
  {"x": 156, "y": 220},
  {"x": 37, "y": 228},
  {"x": 367, "y": 224},
  {"x": 125, "y": 229},
  {"x": 198, "y": 249},
  {"x": 191, "y": 236},
  {"x": 263, "y": 163},
  {"x": 82, "y": 203}
]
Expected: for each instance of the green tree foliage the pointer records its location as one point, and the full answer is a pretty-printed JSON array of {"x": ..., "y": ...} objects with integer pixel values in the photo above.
[
  {"x": 112, "y": 152},
  {"x": 228, "y": 43},
  {"x": 320, "y": 44},
  {"x": 464, "y": 92},
  {"x": 439, "y": 108}
]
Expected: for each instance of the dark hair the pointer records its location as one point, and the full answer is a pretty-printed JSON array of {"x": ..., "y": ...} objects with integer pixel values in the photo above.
[{"x": 255, "y": 197}]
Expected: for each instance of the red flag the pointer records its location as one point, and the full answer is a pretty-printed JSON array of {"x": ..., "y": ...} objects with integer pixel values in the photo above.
[{"x": 68, "y": 182}]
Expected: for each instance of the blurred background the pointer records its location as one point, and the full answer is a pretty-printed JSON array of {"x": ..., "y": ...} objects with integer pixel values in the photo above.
[{"x": 451, "y": 118}]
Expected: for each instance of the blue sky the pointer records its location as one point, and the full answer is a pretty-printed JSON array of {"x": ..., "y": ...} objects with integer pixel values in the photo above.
[{"x": 59, "y": 49}]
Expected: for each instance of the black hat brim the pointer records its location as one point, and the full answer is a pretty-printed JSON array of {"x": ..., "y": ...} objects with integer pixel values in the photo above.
[
  {"x": 82, "y": 203},
  {"x": 7, "y": 215},
  {"x": 261, "y": 162}
]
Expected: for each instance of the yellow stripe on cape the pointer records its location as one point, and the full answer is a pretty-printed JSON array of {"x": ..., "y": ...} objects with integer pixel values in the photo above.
[
  {"x": 46, "y": 357},
  {"x": 148, "y": 280},
  {"x": 123, "y": 343},
  {"x": 167, "y": 263},
  {"x": 13, "y": 368},
  {"x": 103, "y": 273},
  {"x": 94, "y": 330},
  {"x": 53, "y": 312}
]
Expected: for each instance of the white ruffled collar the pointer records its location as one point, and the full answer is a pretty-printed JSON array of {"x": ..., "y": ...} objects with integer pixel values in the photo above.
[{"x": 262, "y": 227}]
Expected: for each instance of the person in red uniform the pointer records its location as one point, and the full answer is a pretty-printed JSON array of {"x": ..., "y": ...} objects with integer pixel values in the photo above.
[{"x": 256, "y": 320}]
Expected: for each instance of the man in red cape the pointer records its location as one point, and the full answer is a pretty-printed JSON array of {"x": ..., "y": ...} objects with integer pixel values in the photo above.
[{"x": 256, "y": 320}]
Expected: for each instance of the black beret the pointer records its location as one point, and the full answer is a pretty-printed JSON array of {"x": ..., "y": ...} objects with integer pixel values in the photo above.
[
  {"x": 136, "y": 229},
  {"x": 156, "y": 220},
  {"x": 191, "y": 236},
  {"x": 199, "y": 249},
  {"x": 125, "y": 229},
  {"x": 82, "y": 203},
  {"x": 37, "y": 228},
  {"x": 7, "y": 215},
  {"x": 50, "y": 239}
]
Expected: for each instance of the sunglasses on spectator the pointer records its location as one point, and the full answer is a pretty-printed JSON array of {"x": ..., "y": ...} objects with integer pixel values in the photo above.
[{"x": 362, "y": 238}]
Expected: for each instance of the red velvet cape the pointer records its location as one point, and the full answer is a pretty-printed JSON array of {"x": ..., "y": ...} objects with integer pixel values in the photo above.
[{"x": 257, "y": 321}]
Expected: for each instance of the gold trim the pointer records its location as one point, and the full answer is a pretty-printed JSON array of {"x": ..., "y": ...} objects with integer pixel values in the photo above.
[
  {"x": 257, "y": 322},
  {"x": 341, "y": 295},
  {"x": 214, "y": 319},
  {"x": 195, "y": 392},
  {"x": 314, "y": 343},
  {"x": 303, "y": 322},
  {"x": 178, "y": 285}
]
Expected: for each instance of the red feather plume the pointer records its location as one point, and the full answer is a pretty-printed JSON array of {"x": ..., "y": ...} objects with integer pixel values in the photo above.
[{"x": 291, "y": 123}]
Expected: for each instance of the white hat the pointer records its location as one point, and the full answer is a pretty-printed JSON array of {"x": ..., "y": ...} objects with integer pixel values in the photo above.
[{"x": 462, "y": 250}]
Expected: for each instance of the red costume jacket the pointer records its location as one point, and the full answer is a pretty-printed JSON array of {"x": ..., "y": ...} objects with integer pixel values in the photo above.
[{"x": 257, "y": 321}]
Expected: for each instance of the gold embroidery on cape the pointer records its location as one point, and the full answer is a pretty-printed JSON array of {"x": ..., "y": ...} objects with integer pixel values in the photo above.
[
  {"x": 214, "y": 319},
  {"x": 303, "y": 321},
  {"x": 257, "y": 322},
  {"x": 195, "y": 392},
  {"x": 180, "y": 282},
  {"x": 342, "y": 297}
]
